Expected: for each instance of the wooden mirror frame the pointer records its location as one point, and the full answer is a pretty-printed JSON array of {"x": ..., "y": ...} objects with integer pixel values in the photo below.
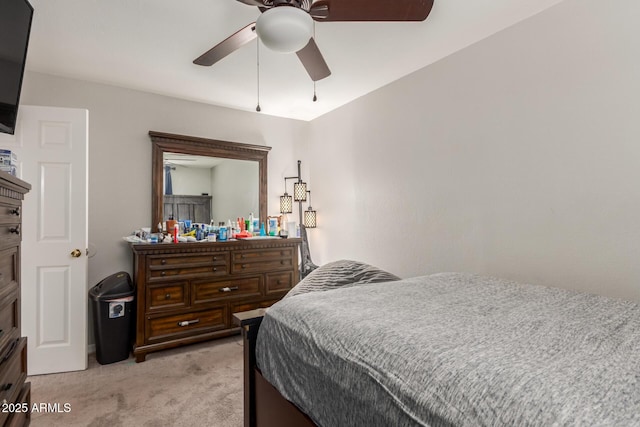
[{"x": 170, "y": 143}]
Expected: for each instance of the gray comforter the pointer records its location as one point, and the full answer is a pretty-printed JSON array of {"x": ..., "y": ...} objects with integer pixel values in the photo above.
[{"x": 455, "y": 349}]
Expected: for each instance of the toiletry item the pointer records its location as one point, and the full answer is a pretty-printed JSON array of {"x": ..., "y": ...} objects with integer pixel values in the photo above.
[
  {"x": 251, "y": 228},
  {"x": 176, "y": 231},
  {"x": 262, "y": 230},
  {"x": 284, "y": 231},
  {"x": 170, "y": 226},
  {"x": 198, "y": 232},
  {"x": 223, "y": 233},
  {"x": 256, "y": 226},
  {"x": 273, "y": 226},
  {"x": 160, "y": 230},
  {"x": 211, "y": 237},
  {"x": 291, "y": 228}
]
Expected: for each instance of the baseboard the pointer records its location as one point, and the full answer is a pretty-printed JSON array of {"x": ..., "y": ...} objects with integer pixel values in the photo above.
[{"x": 91, "y": 348}]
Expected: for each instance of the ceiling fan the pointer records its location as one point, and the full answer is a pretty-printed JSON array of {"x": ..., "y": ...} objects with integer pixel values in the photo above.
[{"x": 287, "y": 26}]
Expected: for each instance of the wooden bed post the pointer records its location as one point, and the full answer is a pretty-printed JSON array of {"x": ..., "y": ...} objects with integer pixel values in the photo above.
[{"x": 249, "y": 321}]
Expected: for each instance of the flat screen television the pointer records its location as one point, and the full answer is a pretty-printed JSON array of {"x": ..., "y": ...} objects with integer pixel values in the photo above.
[{"x": 15, "y": 27}]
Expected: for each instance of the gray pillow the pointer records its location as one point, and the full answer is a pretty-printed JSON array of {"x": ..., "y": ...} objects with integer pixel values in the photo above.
[{"x": 338, "y": 274}]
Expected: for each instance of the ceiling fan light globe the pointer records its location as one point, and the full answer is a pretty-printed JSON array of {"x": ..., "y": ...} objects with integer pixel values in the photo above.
[{"x": 285, "y": 29}]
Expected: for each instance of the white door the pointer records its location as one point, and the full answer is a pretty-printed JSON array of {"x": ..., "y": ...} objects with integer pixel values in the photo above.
[{"x": 52, "y": 148}]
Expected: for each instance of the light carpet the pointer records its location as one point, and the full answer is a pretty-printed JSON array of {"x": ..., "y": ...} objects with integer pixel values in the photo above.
[{"x": 196, "y": 385}]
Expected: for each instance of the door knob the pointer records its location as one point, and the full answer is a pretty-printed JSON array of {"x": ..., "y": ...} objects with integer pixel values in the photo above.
[{"x": 76, "y": 253}]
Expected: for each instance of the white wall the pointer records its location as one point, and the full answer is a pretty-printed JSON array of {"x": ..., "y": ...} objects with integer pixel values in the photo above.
[
  {"x": 517, "y": 157},
  {"x": 120, "y": 152},
  {"x": 190, "y": 181},
  {"x": 230, "y": 182}
]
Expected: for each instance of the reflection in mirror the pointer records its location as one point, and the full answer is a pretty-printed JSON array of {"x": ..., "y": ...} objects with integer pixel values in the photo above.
[{"x": 203, "y": 189}]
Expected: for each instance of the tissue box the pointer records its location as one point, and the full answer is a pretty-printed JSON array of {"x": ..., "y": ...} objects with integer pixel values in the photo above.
[{"x": 8, "y": 158}]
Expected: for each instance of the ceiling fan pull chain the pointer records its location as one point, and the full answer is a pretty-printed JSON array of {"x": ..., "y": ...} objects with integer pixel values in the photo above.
[
  {"x": 258, "y": 73},
  {"x": 315, "y": 97}
]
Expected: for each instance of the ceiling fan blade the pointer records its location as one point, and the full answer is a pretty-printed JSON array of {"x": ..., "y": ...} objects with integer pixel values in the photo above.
[
  {"x": 375, "y": 10},
  {"x": 313, "y": 61},
  {"x": 319, "y": 11},
  {"x": 230, "y": 44},
  {"x": 258, "y": 3}
]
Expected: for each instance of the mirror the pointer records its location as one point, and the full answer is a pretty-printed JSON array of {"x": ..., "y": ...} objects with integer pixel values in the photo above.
[{"x": 209, "y": 179}]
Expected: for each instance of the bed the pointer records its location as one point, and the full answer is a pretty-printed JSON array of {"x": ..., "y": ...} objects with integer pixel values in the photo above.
[{"x": 352, "y": 345}]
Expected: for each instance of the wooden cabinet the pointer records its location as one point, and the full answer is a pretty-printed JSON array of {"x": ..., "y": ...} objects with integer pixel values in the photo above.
[
  {"x": 187, "y": 292},
  {"x": 13, "y": 348}
]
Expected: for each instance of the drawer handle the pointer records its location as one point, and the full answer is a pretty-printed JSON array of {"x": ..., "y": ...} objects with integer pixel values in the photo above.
[
  {"x": 244, "y": 265},
  {"x": 163, "y": 262},
  {"x": 282, "y": 262},
  {"x": 228, "y": 289},
  {"x": 163, "y": 273},
  {"x": 188, "y": 322},
  {"x": 278, "y": 282},
  {"x": 15, "y": 230},
  {"x": 15, "y": 211},
  {"x": 215, "y": 269},
  {"x": 215, "y": 258},
  {"x": 167, "y": 296}
]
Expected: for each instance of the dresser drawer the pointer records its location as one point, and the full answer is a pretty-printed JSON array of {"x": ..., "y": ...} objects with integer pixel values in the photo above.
[
  {"x": 23, "y": 417},
  {"x": 209, "y": 291},
  {"x": 247, "y": 306},
  {"x": 8, "y": 266},
  {"x": 262, "y": 260},
  {"x": 279, "y": 282},
  {"x": 10, "y": 213},
  {"x": 162, "y": 328},
  {"x": 176, "y": 266},
  {"x": 9, "y": 321},
  {"x": 10, "y": 233},
  {"x": 13, "y": 372},
  {"x": 163, "y": 296}
]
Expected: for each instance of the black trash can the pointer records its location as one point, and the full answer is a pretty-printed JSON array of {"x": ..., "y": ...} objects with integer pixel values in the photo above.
[{"x": 113, "y": 317}]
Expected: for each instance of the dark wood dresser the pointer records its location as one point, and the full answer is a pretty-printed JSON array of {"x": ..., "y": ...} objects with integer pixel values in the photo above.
[
  {"x": 15, "y": 394},
  {"x": 187, "y": 292}
]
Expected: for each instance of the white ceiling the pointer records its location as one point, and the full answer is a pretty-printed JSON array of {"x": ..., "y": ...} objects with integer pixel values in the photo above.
[{"x": 149, "y": 45}]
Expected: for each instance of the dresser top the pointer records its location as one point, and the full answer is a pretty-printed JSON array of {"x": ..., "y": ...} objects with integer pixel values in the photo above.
[
  {"x": 9, "y": 181},
  {"x": 195, "y": 247}
]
